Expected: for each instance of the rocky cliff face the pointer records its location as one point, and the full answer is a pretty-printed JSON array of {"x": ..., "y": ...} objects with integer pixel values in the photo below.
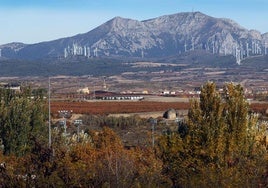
[{"x": 155, "y": 38}]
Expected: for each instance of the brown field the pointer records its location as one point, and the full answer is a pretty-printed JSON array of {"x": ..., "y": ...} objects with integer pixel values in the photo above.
[
  {"x": 260, "y": 107},
  {"x": 116, "y": 107}
]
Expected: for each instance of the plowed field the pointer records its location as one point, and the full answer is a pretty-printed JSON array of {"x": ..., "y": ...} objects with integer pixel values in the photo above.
[
  {"x": 129, "y": 107},
  {"x": 116, "y": 107}
]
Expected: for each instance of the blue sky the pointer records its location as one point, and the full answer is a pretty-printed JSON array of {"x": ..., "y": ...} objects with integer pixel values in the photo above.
[{"x": 31, "y": 21}]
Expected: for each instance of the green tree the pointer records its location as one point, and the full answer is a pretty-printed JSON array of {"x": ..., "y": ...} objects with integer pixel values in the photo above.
[{"x": 21, "y": 118}]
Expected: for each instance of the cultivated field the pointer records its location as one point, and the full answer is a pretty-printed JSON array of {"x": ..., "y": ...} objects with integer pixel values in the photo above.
[
  {"x": 134, "y": 107},
  {"x": 116, "y": 107}
]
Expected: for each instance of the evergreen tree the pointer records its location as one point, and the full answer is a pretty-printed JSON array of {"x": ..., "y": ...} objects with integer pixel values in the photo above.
[{"x": 21, "y": 118}]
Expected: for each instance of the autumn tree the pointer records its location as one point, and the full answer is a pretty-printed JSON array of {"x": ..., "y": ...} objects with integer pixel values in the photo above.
[
  {"x": 222, "y": 141},
  {"x": 240, "y": 125},
  {"x": 117, "y": 166},
  {"x": 206, "y": 124}
]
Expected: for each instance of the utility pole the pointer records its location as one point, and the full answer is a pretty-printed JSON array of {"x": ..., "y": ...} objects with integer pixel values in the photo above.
[{"x": 49, "y": 118}]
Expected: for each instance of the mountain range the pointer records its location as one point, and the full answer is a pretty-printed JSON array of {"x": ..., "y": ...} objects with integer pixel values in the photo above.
[{"x": 164, "y": 36}]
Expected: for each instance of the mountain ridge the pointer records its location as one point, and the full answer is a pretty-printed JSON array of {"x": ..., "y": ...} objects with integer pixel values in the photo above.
[{"x": 153, "y": 38}]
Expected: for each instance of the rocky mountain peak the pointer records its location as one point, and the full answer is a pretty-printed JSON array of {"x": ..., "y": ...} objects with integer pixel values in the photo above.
[{"x": 154, "y": 38}]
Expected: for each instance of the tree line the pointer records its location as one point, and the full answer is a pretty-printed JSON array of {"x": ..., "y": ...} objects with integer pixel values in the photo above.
[{"x": 220, "y": 143}]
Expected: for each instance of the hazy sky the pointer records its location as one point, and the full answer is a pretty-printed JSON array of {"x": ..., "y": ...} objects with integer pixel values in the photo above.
[{"x": 31, "y": 21}]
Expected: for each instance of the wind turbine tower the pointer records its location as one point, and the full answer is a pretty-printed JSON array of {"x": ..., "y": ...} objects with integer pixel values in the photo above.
[
  {"x": 253, "y": 47},
  {"x": 185, "y": 47},
  {"x": 88, "y": 52},
  {"x": 256, "y": 48},
  {"x": 96, "y": 52},
  {"x": 238, "y": 56},
  {"x": 192, "y": 44},
  {"x": 65, "y": 53},
  {"x": 207, "y": 46},
  {"x": 247, "y": 50},
  {"x": 85, "y": 51},
  {"x": 265, "y": 48}
]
